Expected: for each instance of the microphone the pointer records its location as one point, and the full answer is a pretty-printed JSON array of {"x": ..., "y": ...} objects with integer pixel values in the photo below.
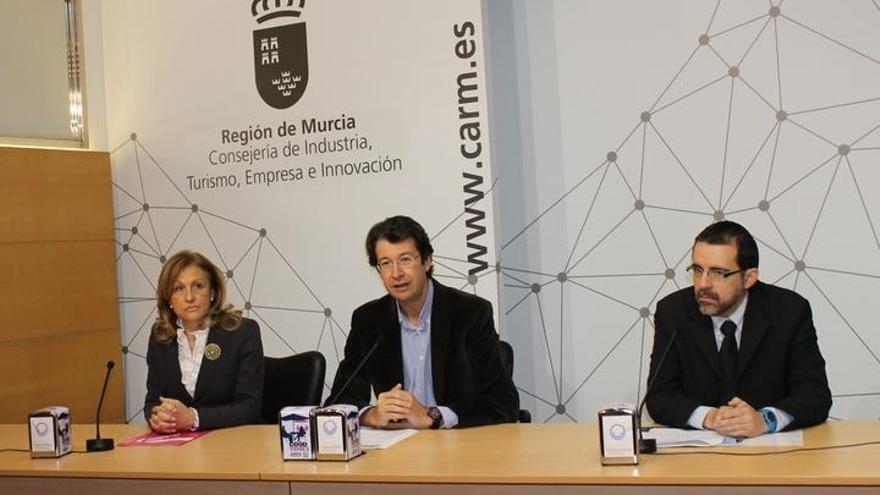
[
  {"x": 649, "y": 445},
  {"x": 357, "y": 369},
  {"x": 101, "y": 444}
]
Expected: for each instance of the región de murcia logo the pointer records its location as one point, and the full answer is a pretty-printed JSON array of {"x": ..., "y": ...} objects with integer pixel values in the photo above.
[{"x": 281, "y": 61}]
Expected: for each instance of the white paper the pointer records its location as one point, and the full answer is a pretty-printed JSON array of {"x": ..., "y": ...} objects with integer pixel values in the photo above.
[
  {"x": 674, "y": 437},
  {"x": 794, "y": 438},
  {"x": 372, "y": 438}
]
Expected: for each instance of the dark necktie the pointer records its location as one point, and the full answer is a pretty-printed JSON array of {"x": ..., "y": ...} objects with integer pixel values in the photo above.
[{"x": 729, "y": 354}]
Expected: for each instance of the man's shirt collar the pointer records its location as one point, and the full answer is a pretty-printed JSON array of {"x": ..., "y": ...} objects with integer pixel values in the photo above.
[{"x": 424, "y": 313}]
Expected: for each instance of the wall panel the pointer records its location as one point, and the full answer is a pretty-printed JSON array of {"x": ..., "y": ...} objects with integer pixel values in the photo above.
[{"x": 57, "y": 283}]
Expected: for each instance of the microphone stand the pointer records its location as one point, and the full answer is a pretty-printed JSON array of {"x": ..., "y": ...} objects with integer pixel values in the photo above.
[
  {"x": 357, "y": 370},
  {"x": 99, "y": 444},
  {"x": 649, "y": 445}
]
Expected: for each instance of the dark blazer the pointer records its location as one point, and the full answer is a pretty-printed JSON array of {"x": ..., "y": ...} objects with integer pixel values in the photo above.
[
  {"x": 779, "y": 360},
  {"x": 467, "y": 370},
  {"x": 229, "y": 390}
]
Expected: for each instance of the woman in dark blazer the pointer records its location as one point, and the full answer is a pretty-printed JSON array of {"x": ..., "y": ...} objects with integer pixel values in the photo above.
[{"x": 204, "y": 360}]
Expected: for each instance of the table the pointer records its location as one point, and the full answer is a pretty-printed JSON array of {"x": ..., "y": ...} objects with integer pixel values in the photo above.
[{"x": 503, "y": 459}]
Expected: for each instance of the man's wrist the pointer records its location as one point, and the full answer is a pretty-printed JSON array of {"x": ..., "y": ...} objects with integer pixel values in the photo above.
[
  {"x": 708, "y": 421},
  {"x": 366, "y": 416},
  {"x": 420, "y": 420}
]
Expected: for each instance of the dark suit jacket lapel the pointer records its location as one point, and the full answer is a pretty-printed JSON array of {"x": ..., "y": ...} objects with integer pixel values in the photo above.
[
  {"x": 391, "y": 349},
  {"x": 703, "y": 334},
  {"x": 440, "y": 329},
  {"x": 755, "y": 325},
  {"x": 171, "y": 365}
]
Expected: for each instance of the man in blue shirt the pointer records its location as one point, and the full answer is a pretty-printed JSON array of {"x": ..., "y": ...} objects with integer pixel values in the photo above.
[{"x": 430, "y": 352}]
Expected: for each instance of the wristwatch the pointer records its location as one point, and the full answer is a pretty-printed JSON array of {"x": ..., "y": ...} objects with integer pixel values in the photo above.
[
  {"x": 769, "y": 419},
  {"x": 436, "y": 417}
]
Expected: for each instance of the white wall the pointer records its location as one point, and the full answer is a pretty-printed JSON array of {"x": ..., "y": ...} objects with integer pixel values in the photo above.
[{"x": 570, "y": 80}]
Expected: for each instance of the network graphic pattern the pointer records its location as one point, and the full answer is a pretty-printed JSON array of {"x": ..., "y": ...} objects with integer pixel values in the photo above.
[
  {"x": 786, "y": 170},
  {"x": 155, "y": 218}
]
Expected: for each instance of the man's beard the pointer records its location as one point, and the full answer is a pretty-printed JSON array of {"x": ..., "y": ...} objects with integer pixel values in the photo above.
[{"x": 720, "y": 307}]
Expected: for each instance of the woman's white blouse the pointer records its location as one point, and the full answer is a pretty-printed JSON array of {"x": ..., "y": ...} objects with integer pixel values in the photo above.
[{"x": 190, "y": 359}]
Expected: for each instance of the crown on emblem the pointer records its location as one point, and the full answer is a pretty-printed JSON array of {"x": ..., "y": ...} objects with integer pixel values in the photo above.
[{"x": 265, "y": 10}]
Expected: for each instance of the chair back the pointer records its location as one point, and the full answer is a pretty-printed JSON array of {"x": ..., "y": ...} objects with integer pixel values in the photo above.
[
  {"x": 506, "y": 351},
  {"x": 296, "y": 380}
]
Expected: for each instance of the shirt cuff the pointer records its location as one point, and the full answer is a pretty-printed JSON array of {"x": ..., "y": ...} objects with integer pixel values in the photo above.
[
  {"x": 364, "y": 411},
  {"x": 450, "y": 419},
  {"x": 195, "y": 425},
  {"x": 698, "y": 416}
]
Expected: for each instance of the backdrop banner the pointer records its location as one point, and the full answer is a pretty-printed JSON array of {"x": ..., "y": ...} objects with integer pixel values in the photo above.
[{"x": 270, "y": 136}]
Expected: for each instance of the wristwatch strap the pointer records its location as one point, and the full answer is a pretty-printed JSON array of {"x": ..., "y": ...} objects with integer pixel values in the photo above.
[
  {"x": 436, "y": 417},
  {"x": 769, "y": 419}
]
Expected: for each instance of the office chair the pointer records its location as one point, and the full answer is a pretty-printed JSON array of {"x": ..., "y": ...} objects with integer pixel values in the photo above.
[
  {"x": 506, "y": 351},
  {"x": 296, "y": 380}
]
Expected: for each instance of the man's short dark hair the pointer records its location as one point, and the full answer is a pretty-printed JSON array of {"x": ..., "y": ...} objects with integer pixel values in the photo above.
[
  {"x": 727, "y": 232},
  {"x": 398, "y": 229}
]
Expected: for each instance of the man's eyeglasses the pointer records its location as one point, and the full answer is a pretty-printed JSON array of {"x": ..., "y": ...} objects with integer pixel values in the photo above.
[
  {"x": 714, "y": 274},
  {"x": 405, "y": 262}
]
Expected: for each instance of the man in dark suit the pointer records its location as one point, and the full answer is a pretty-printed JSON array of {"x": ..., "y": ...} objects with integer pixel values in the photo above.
[
  {"x": 435, "y": 361},
  {"x": 745, "y": 360}
]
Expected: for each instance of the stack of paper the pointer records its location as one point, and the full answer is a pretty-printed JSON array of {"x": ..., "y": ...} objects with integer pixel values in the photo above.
[
  {"x": 372, "y": 438},
  {"x": 674, "y": 437}
]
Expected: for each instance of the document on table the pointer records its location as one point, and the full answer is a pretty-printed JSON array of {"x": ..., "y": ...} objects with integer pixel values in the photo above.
[
  {"x": 794, "y": 438},
  {"x": 152, "y": 439},
  {"x": 372, "y": 438},
  {"x": 674, "y": 437}
]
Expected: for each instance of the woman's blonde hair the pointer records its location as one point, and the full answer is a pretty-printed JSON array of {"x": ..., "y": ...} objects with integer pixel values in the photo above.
[{"x": 220, "y": 314}]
